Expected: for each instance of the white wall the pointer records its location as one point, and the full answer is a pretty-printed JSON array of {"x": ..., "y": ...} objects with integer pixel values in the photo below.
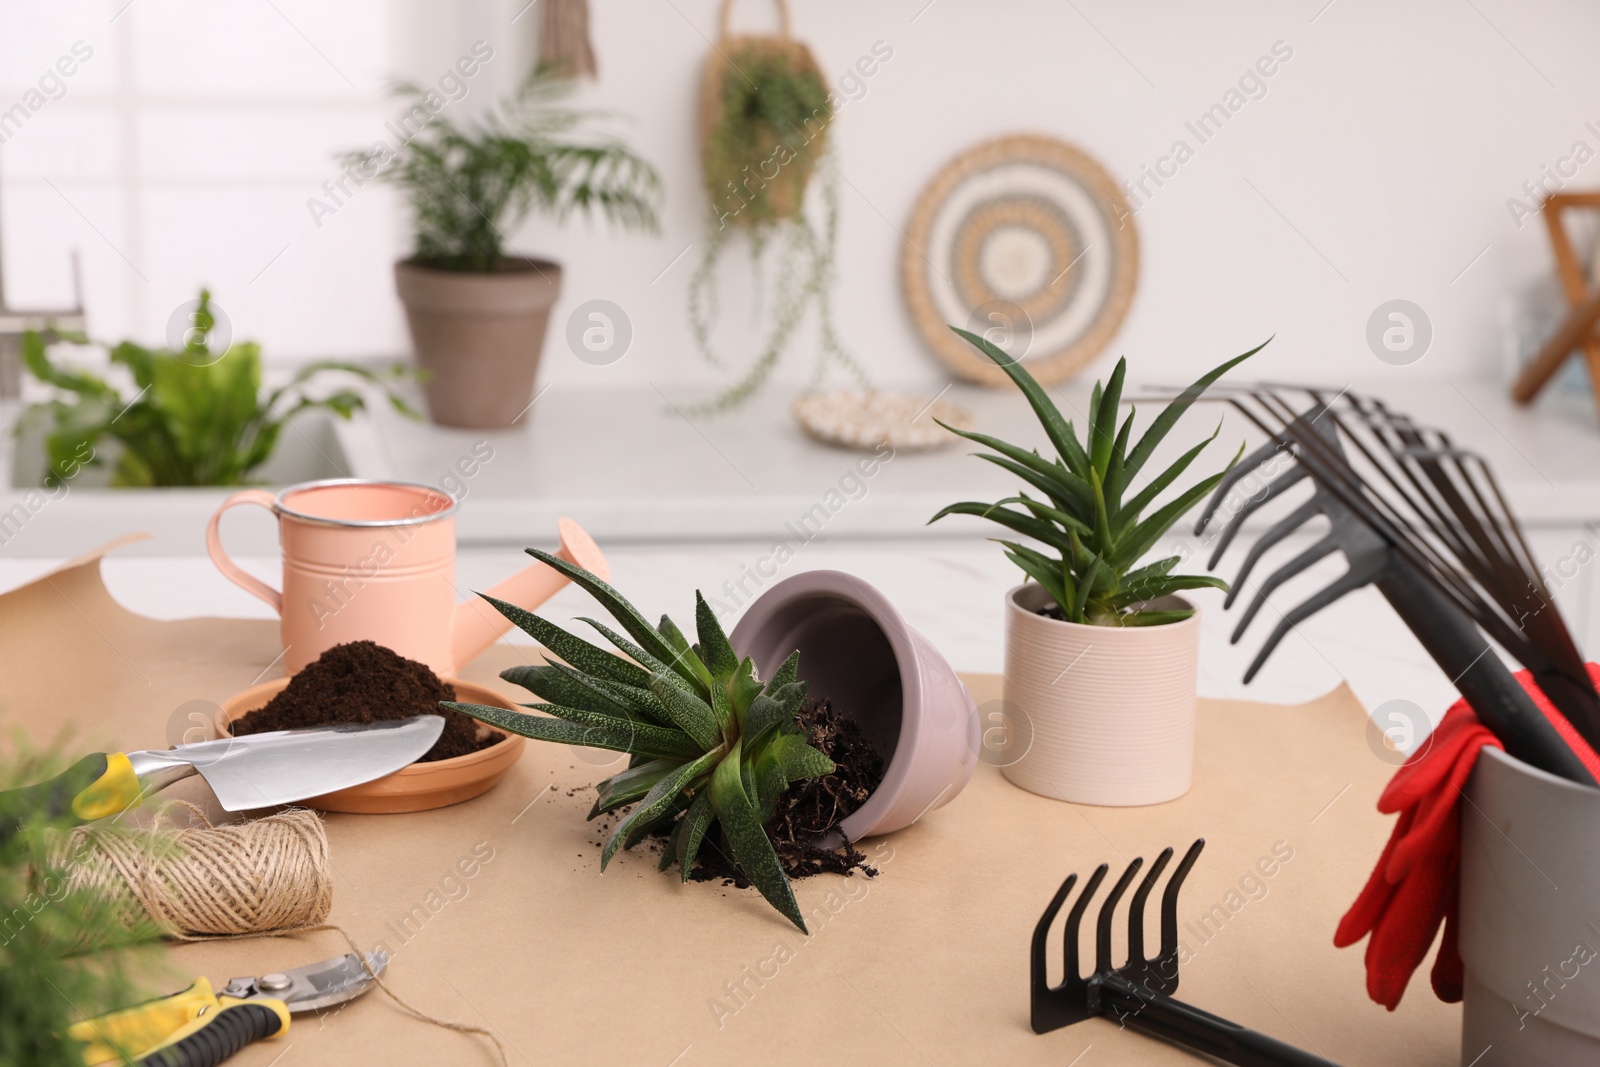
[{"x": 1378, "y": 164}]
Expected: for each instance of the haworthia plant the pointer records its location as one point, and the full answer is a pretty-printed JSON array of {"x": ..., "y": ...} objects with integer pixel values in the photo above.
[
  {"x": 712, "y": 745},
  {"x": 1084, "y": 516}
]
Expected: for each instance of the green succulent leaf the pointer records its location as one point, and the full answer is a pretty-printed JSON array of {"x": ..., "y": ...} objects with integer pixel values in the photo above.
[
  {"x": 632, "y": 737},
  {"x": 570, "y": 648},
  {"x": 692, "y": 830},
  {"x": 743, "y": 688},
  {"x": 657, "y": 804},
  {"x": 1153, "y": 488},
  {"x": 1046, "y": 484},
  {"x": 1055, "y": 427},
  {"x": 560, "y": 684},
  {"x": 645, "y": 659},
  {"x": 767, "y": 781},
  {"x": 1063, "y": 481},
  {"x": 1170, "y": 415},
  {"x": 1143, "y": 537},
  {"x": 1046, "y": 574},
  {"x": 630, "y": 785},
  {"x": 1021, "y": 522},
  {"x": 787, "y": 673},
  {"x": 1103, "y": 421},
  {"x": 798, "y": 759},
  {"x": 719, "y": 655},
  {"x": 691, "y": 714},
  {"x": 1151, "y": 588},
  {"x": 742, "y": 828},
  {"x": 1154, "y": 618},
  {"x": 685, "y": 654},
  {"x": 620, "y": 609},
  {"x": 645, "y": 704}
]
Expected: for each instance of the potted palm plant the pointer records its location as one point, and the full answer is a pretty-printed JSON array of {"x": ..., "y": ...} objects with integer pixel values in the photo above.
[
  {"x": 477, "y": 313},
  {"x": 1101, "y": 651}
]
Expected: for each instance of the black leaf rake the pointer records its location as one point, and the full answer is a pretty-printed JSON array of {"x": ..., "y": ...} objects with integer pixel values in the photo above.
[{"x": 1425, "y": 522}]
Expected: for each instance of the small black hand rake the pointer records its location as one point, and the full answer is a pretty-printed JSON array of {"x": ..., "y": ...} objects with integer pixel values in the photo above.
[{"x": 1139, "y": 993}]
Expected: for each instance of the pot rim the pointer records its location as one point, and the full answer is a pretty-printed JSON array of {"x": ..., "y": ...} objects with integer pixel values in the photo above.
[
  {"x": 1529, "y": 770},
  {"x": 539, "y": 265},
  {"x": 1012, "y": 605},
  {"x": 907, "y": 661}
]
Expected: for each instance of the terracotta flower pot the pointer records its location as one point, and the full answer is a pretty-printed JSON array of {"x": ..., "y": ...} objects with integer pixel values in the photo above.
[
  {"x": 1101, "y": 714},
  {"x": 856, "y": 650},
  {"x": 479, "y": 336},
  {"x": 1530, "y": 925}
]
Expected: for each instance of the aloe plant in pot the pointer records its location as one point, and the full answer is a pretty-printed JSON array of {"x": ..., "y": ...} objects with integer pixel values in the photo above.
[
  {"x": 1101, "y": 650},
  {"x": 477, "y": 314}
]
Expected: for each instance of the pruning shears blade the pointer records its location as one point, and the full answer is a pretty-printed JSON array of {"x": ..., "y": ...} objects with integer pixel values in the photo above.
[{"x": 316, "y": 985}]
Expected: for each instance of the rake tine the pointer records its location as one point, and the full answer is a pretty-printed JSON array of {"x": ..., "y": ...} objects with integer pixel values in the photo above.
[
  {"x": 1102, "y": 934},
  {"x": 1362, "y": 571},
  {"x": 1041, "y": 939},
  {"x": 1241, "y": 469},
  {"x": 1169, "y": 905},
  {"x": 1136, "y": 909},
  {"x": 1275, "y": 488},
  {"x": 1323, "y": 548},
  {"x": 1281, "y": 529},
  {"x": 1075, "y": 922}
]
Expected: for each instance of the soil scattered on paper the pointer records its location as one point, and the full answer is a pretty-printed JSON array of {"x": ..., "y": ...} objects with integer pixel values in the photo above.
[
  {"x": 364, "y": 682},
  {"x": 810, "y": 809}
]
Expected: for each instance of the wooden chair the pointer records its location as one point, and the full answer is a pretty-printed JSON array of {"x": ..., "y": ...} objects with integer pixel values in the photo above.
[{"x": 1578, "y": 329}]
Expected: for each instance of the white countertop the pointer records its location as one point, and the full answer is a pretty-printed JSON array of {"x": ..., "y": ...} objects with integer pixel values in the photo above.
[{"x": 633, "y": 469}]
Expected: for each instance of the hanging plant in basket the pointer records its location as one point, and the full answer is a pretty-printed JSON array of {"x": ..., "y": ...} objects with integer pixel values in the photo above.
[{"x": 764, "y": 118}]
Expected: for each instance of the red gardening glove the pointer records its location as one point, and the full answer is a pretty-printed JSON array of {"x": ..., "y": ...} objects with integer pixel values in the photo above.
[{"x": 1415, "y": 885}]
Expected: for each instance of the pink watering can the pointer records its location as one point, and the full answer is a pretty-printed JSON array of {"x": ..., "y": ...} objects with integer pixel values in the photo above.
[{"x": 375, "y": 561}]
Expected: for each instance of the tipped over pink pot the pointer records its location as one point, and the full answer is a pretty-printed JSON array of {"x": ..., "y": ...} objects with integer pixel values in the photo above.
[{"x": 856, "y": 650}]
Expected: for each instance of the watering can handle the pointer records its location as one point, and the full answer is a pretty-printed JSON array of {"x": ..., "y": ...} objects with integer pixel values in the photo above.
[
  {"x": 231, "y": 570},
  {"x": 783, "y": 19}
]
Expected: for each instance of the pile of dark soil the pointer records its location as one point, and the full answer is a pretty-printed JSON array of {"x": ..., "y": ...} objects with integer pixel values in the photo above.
[
  {"x": 810, "y": 809},
  {"x": 364, "y": 682}
]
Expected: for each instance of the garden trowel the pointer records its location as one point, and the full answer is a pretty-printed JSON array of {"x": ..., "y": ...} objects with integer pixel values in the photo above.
[{"x": 254, "y": 771}]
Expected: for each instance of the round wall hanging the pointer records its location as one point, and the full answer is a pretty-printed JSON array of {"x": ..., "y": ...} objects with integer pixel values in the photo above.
[{"x": 1028, "y": 242}]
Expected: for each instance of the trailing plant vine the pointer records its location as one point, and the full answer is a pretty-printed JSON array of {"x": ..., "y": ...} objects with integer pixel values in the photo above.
[{"x": 764, "y": 118}]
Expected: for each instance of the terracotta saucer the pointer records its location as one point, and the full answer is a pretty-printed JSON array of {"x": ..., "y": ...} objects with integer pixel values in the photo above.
[{"x": 418, "y": 787}]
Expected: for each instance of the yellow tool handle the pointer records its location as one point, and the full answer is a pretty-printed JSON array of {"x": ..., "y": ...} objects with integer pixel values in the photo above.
[
  {"x": 142, "y": 1029},
  {"x": 137, "y": 1030},
  {"x": 98, "y": 785}
]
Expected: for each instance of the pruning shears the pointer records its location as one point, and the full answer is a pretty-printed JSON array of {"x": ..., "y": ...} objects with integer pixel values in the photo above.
[{"x": 199, "y": 1027}]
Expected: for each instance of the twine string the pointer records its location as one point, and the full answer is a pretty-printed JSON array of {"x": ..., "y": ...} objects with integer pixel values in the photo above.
[{"x": 263, "y": 878}]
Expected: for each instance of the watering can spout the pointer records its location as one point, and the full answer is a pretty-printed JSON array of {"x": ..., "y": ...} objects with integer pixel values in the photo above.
[{"x": 477, "y": 624}]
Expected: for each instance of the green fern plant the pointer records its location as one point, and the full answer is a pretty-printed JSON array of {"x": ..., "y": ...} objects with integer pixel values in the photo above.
[
  {"x": 1086, "y": 512},
  {"x": 713, "y": 746},
  {"x": 472, "y": 182}
]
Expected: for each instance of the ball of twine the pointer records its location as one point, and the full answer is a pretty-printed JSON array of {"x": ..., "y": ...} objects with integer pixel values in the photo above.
[{"x": 268, "y": 875}]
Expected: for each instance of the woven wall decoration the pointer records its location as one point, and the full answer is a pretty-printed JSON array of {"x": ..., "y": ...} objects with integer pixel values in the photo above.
[{"x": 1028, "y": 241}]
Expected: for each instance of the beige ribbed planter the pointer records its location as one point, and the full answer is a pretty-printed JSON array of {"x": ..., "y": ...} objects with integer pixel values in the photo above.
[
  {"x": 1107, "y": 712},
  {"x": 479, "y": 337}
]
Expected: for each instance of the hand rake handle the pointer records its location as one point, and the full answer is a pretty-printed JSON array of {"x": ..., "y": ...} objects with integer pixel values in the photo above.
[
  {"x": 1116, "y": 998},
  {"x": 1462, "y": 651}
]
